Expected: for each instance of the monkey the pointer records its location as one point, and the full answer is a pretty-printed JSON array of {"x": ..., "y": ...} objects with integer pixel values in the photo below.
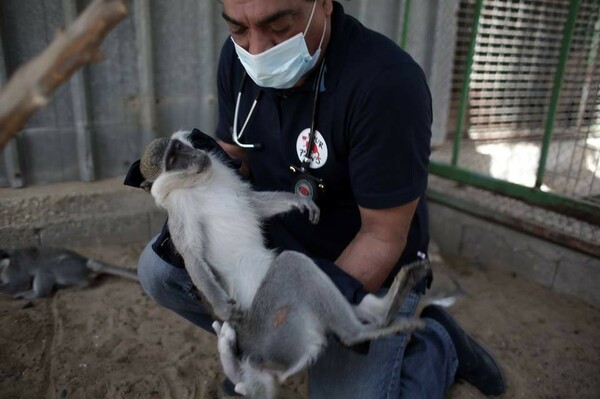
[
  {"x": 280, "y": 306},
  {"x": 31, "y": 273}
]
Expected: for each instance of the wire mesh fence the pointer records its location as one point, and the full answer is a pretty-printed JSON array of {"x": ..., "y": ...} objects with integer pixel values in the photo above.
[{"x": 529, "y": 113}]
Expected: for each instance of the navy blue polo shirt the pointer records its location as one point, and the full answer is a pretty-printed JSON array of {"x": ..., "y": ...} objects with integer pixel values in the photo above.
[{"x": 373, "y": 143}]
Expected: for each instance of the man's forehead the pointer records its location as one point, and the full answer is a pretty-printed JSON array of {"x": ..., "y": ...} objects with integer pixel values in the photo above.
[{"x": 261, "y": 11}]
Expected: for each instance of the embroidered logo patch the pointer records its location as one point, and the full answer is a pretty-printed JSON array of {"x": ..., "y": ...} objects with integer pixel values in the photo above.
[{"x": 318, "y": 153}]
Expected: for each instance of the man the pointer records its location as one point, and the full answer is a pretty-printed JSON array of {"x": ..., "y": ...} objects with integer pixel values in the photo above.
[{"x": 312, "y": 101}]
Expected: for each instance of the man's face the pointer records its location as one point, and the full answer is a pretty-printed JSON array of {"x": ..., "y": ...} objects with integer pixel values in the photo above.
[{"x": 258, "y": 25}]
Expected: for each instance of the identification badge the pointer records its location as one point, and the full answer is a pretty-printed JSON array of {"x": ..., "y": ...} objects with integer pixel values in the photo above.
[{"x": 307, "y": 185}]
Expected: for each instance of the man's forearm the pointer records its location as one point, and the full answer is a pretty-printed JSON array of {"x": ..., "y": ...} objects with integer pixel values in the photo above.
[
  {"x": 370, "y": 259},
  {"x": 378, "y": 245}
]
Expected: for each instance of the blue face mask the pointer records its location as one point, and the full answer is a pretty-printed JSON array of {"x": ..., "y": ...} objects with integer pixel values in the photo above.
[{"x": 281, "y": 66}]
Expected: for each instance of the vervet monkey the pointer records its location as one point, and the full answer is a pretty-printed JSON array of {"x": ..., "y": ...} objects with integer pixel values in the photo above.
[
  {"x": 31, "y": 273},
  {"x": 281, "y": 306}
]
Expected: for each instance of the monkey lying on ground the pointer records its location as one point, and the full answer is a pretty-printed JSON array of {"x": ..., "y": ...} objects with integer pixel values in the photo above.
[
  {"x": 281, "y": 306},
  {"x": 34, "y": 272}
]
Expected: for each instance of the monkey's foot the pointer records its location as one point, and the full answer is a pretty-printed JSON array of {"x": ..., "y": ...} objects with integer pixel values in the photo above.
[
  {"x": 26, "y": 295},
  {"x": 241, "y": 388},
  {"x": 226, "y": 344}
]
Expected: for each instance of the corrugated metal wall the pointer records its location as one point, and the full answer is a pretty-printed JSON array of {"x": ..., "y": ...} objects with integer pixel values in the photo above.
[{"x": 159, "y": 76}]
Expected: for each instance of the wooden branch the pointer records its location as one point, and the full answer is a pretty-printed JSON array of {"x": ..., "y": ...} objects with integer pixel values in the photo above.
[{"x": 32, "y": 84}]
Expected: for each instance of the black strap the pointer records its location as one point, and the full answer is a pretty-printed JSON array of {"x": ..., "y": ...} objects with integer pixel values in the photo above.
[{"x": 311, "y": 137}]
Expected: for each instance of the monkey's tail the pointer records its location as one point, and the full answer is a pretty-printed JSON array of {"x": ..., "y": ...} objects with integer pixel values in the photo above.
[
  {"x": 406, "y": 279},
  {"x": 100, "y": 267},
  {"x": 369, "y": 333}
]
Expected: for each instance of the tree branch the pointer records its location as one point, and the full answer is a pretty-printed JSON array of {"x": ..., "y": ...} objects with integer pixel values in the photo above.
[{"x": 32, "y": 84}]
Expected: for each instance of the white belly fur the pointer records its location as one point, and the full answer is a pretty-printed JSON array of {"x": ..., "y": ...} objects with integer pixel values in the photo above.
[{"x": 233, "y": 244}]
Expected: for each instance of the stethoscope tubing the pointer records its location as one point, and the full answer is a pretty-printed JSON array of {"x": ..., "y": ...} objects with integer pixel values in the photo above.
[{"x": 237, "y": 135}]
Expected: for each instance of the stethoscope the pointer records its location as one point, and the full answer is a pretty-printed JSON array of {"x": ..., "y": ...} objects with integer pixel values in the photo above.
[
  {"x": 236, "y": 134},
  {"x": 305, "y": 183}
]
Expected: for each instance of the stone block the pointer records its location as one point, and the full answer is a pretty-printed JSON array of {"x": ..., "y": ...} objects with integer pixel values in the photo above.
[
  {"x": 579, "y": 275},
  {"x": 157, "y": 219},
  {"x": 108, "y": 229},
  {"x": 445, "y": 228},
  {"x": 488, "y": 244},
  {"x": 12, "y": 238}
]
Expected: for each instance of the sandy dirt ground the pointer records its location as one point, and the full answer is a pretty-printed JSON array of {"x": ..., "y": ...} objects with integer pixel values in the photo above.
[{"x": 112, "y": 341}]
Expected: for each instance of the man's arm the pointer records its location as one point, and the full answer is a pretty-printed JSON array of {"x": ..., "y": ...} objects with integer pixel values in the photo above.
[
  {"x": 233, "y": 150},
  {"x": 377, "y": 246},
  {"x": 236, "y": 152}
]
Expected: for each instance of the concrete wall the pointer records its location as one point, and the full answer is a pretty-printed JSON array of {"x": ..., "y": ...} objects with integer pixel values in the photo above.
[
  {"x": 485, "y": 244},
  {"x": 77, "y": 213}
]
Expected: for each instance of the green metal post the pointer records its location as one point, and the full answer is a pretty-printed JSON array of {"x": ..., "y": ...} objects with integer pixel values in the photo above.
[
  {"x": 404, "y": 38},
  {"x": 464, "y": 97},
  {"x": 558, "y": 79}
]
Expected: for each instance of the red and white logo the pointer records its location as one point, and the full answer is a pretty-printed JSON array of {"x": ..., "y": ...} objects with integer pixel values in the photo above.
[
  {"x": 318, "y": 152},
  {"x": 304, "y": 189}
]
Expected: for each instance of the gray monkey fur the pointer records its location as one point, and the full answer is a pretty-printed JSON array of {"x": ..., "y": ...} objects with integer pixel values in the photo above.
[
  {"x": 31, "y": 273},
  {"x": 280, "y": 306},
  {"x": 150, "y": 163}
]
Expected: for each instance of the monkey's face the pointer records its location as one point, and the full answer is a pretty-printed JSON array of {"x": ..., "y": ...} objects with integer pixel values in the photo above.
[
  {"x": 180, "y": 156},
  {"x": 182, "y": 167}
]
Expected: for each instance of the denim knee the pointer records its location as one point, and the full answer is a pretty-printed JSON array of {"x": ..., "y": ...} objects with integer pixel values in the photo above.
[
  {"x": 172, "y": 288},
  {"x": 156, "y": 276}
]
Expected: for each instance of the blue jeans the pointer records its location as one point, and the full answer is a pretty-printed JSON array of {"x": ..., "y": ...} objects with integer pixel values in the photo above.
[{"x": 423, "y": 368}]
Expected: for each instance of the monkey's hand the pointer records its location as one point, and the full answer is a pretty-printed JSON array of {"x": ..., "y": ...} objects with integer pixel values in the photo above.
[
  {"x": 305, "y": 204},
  {"x": 236, "y": 314},
  {"x": 270, "y": 203},
  {"x": 227, "y": 346}
]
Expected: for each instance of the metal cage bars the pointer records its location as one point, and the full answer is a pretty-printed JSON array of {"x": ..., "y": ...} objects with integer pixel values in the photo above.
[{"x": 532, "y": 195}]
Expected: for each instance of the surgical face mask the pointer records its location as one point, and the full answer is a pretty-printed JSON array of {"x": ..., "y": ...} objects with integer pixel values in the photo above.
[{"x": 281, "y": 66}]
